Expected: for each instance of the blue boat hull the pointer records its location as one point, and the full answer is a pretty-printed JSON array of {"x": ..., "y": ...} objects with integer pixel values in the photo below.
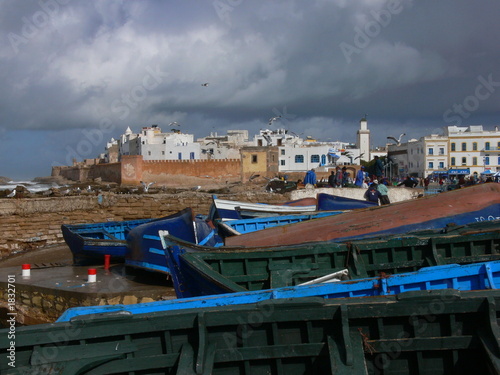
[
  {"x": 89, "y": 243},
  {"x": 328, "y": 202},
  {"x": 477, "y": 276},
  {"x": 144, "y": 245}
]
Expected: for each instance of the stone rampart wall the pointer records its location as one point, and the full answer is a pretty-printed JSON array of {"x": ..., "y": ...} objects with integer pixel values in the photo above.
[{"x": 31, "y": 223}]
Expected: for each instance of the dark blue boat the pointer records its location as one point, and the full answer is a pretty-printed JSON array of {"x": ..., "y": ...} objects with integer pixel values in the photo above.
[
  {"x": 90, "y": 242},
  {"x": 329, "y": 202},
  {"x": 477, "y": 276},
  {"x": 144, "y": 245}
]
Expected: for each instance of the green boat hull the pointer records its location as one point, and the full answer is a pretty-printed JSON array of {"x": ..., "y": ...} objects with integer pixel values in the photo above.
[
  {"x": 437, "y": 332},
  {"x": 220, "y": 270}
]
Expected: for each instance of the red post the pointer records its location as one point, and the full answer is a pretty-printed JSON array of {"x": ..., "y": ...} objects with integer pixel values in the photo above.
[{"x": 107, "y": 259}]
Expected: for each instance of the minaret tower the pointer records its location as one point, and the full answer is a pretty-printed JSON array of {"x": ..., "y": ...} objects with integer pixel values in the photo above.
[{"x": 363, "y": 142}]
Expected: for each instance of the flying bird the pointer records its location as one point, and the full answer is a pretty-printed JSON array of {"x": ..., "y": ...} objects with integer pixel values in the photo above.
[
  {"x": 205, "y": 84},
  {"x": 146, "y": 186},
  {"x": 398, "y": 141},
  {"x": 273, "y": 119},
  {"x": 12, "y": 194},
  {"x": 175, "y": 123}
]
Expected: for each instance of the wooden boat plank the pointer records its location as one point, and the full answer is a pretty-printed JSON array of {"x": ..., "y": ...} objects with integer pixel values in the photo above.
[
  {"x": 294, "y": 264},
  {"x": 298, "y": 330},
  {"x": 460, "y": 206}
]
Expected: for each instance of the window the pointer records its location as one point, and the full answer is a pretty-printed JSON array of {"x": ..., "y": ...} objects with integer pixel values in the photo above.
[
  {"x": 474, "y": 146},
  {"x": 282, "y": 151},
  {"x": 464, "y": 161},
  {"x": 452, "y": 161},
  {"x": 453, "y": 147},
  {"x": 441, "y": 165},
  {"x": 464, "y": 146},
  {"x": 431, "y": 165},
  {"x": 498, "y": 161},
  {"x": 259, "y": 142},
  {"x": 314, "y": 158},
  {"x": 280, "y": 142},
  {"x": 486, "y": 160},
  {"x": 431, "y": 151},
  {"x": 323, "y": 159},
  {"x": 299, "y": 158},
  {"x": 487, "y": 146},
  {"x": 474, "y": 160},
  {"x": 163, "y": 152},
  {"x": 149, "y": 153},
  {"x": 282, "y": 162},
  {"x": 498, "y": 146},
  {"x": 441, "y": 151},
  {"x": 254, "y": 159},
  {"x": 191, "y": 155},
  {"x": 179, "y": 155}
]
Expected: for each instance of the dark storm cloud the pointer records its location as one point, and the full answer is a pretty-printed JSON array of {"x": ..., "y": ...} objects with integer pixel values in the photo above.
[{"x": 71, "y": 66}]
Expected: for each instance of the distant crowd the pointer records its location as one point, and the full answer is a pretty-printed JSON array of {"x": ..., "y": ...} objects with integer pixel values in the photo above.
[{"x": 376, "y": 184}]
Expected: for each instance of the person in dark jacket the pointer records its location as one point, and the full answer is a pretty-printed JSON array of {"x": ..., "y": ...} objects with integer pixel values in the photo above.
[
  {"x": 408, "y": 182},
  {"x": 372, "y": 194},
  {"x": 378, "y": 168}
]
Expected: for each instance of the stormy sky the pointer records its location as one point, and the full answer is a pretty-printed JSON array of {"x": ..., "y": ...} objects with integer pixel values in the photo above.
[{"x": 76, "y": 73}]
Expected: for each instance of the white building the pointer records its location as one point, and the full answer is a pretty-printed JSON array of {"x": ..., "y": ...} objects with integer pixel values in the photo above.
[
  {"x": 302, "y": 157},
  {"x": 153, "y": 144},
  {"x": 223, "y": 146},
  {"x": 459, "y": 151},
  {"x": 473, "y": 148}
]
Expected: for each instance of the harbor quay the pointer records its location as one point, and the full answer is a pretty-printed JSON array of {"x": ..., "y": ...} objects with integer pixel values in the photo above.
[{"x": 32, "y": 235}]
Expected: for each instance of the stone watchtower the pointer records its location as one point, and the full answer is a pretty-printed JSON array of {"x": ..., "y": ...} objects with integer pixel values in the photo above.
[{"x": 363, "y": 142}]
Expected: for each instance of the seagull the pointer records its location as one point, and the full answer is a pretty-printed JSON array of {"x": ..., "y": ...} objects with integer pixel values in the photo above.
[
  {"x": 65, "y": 192},
  {"x": 12, "y": 194},
  {"x": 205, "y": 84},
  {"x": 89, "y": 189},
  {"x": 398, "y": 141},
  {"x": 146, "y": 186},
  {"x": 196, "y": 188},
  {"x": 175, "y": 123},
  {"x": 273, "y": 119}
]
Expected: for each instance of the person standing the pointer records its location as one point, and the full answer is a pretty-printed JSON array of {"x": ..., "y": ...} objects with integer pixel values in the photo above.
[
  {"x": 310, "y": 177},
  {"x": 360, "y": 177},
  {"x": 378, "y": 168},
  {"x": 331, "y": 179}
]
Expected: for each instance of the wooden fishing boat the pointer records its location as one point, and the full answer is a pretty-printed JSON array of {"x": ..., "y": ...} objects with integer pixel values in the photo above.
[
  {"x": 145, "y": 250},
  {"x": 144, "y": 245},
  {"x": 329, "y": 202},
  {"x": 90, "y": 242},
  {"x": 462, "y": 206},
  {"x": 475, "y": 276},
  {"x": 237, "y": 227},
  {"x": 200, "y": 270},
  {"x": 440, "y": 331},
  {"x": 224, "y": 209}
]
